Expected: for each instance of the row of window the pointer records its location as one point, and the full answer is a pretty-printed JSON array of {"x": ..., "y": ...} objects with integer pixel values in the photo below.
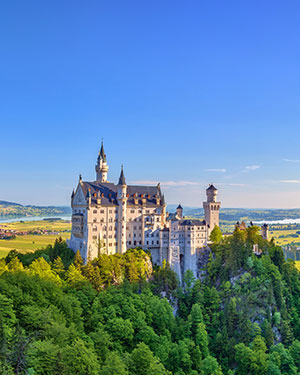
[{"x": 95, "y": 211}]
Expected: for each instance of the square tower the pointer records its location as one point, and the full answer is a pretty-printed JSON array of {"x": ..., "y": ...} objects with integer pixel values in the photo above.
[{"x": 211, "y": 208}]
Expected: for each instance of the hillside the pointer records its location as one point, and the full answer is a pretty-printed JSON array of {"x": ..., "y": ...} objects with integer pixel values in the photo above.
[
  {"x": 116, "y": 315},
  {"x": 11, "y": 209}
]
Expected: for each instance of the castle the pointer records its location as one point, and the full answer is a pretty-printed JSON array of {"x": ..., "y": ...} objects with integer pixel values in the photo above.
[{"x": 110, "y": 218}]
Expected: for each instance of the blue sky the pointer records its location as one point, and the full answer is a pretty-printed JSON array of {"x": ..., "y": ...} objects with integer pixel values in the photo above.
[{"x": 185, "y": 93}]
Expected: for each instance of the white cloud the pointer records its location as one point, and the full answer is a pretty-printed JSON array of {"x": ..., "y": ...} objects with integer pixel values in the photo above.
[
  {"x": 290, "y": 181},
  {"x": 249, "y": 168},
  {"x": 291, "y": 160},
  {"x": 220, "y": 170}
]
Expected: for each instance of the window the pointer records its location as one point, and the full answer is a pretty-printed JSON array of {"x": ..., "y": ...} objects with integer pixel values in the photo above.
[
  {"x": 147, "y": 211},
  {"x": 95, "y": 220},
  {"x": 101, "y": 211},
  {"x": 94, "y": 237},
  {"x": 132, "y": 211},
  {"x": 95, "y": 211}
]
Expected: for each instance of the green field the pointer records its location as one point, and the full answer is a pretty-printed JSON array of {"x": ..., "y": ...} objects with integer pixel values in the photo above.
[
  {"x": 33, "y": 242},
  {"x": 289, "y": 236}
]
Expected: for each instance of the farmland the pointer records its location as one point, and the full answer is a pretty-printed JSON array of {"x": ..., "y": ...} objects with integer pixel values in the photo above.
[{"x": 47, "y": 232}]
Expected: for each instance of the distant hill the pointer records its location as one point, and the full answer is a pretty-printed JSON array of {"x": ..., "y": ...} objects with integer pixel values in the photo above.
[
  {"x": 12, "y": 209},
  {"x": 246, "y": 214}
]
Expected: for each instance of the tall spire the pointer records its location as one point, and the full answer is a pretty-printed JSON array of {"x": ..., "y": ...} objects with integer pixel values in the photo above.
[
  {"x": 102, "y": 153},
  {"x": 122, "y": 177},
  {"x": 101, "y": 166}
]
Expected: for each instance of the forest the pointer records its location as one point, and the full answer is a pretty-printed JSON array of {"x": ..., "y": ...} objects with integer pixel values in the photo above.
[{"x": 119, "y": 314}]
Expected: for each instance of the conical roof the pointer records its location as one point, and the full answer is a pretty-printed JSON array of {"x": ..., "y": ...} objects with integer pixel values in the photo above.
[
  {"x": 122, "y": 180},
  {"x": 211, "y": 188},
  {"x": 101, "y": 155}
]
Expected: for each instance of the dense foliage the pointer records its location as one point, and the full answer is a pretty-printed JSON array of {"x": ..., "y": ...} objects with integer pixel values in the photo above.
[{"x": 115, "y": 315}]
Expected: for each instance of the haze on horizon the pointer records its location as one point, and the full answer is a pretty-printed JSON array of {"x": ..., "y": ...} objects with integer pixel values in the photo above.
[{"x": 184, "y": 94}]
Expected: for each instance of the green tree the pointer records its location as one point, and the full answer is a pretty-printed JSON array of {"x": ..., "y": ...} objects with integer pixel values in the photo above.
[
  {"x": 295, "y": 353},
  {"x": 114, "y": 365},
  {"x": 58, "y": 267},
  {"x": 210, "y": 366},
  {"x": 15, "y": 265},
  {"x": 74, "y": 277},
  {"x": 78, "y": 261},
  {"x": 43, "y": 358},
  {"x": 216, "y": 235},
  {"x": 201, "y": 339},
  {"x": 143, "y": 362},
  {"x": 79, "y": 359},
  {"x": 43, "y": 269}
]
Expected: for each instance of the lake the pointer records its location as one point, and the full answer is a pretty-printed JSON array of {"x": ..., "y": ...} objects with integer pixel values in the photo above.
[
  {"x": 283, "y": 221},
  {"x": 32, "y": 218}
]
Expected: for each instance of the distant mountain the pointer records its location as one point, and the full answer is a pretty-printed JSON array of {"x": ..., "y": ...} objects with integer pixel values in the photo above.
[
  {"x": 5, "y": 203},
  {"x": 12, "y": 209}
]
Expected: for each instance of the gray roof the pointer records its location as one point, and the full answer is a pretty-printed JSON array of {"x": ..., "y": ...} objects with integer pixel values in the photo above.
[
  {"x": 211, "y": 187},
  {"x": 122, "y": 180},
  {"x": 102, "y": 153},
  {"x": 193, "y": 222},
  {"x": 109, "y": 191},
  {"x": 179, "y": 207}
]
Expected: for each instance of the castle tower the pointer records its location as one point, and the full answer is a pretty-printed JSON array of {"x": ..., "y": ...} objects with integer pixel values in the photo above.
[
  {"x": 179, "y": 211},
  {"x": 211, "y": 208},
  {"x": 164, "y": 209},
  {"x": 122, "y": 219},
  {"x": 265, "y": 231},
  {"x": 101, "y": 166}
]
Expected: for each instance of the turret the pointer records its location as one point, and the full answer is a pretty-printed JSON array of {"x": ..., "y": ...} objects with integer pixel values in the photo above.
[
  {"x": 265, "y": 231},
  {"x": 211, "y": 193},
  {"x": 179, "y": 211},
  {"x": 211, "y": 208},
  {"x": 101, "y": 166},
  {"x": 72, "y": 197},
  {"x": 122, "y": 211},
  {"x": 88, "y": 197},
  {"x": 164, "y": 208}
]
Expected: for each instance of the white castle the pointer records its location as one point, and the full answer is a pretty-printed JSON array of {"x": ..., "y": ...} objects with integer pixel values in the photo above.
[{"x": 111, "y": 218}]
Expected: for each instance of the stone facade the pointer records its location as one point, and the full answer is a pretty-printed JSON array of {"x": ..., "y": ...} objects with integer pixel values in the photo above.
[{"x": 110, "y": 218}]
